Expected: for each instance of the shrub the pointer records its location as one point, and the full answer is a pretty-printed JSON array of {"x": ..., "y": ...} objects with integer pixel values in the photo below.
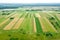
[
  {"x": 48, "y": 34},
  {"x": 9, "y": 35},
  {"x": 12, "y": 18},
  {"x": 14, "y": 39},
  {"x": 51, "y": 18}
]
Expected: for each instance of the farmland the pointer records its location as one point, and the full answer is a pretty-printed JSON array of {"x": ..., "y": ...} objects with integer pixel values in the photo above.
[{"x": 29, "y": 25}]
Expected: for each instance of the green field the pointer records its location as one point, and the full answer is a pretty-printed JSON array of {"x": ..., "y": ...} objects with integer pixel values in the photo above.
[{"x": 29, "y": 25}]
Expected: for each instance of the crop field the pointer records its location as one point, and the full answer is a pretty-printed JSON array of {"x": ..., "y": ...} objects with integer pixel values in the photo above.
[{"x": 29, "y": 25}]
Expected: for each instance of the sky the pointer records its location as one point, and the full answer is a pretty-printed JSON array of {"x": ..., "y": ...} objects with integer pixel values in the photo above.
[{"x": 29, "y": 1}]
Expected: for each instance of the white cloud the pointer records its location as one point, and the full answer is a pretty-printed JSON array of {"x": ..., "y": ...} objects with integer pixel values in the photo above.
[{"x": 29, "y": 1}]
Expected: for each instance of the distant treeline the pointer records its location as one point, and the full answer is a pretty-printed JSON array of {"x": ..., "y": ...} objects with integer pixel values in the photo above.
[{"x": 8, "y": 7}]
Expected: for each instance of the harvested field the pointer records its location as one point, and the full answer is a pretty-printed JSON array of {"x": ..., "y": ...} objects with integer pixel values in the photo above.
[
  {"x": 42, "y": 24},
  {"x": 10, "y": 25},
  {"x": 34, "y": 26},
  {"x": 17, "y": 25}
]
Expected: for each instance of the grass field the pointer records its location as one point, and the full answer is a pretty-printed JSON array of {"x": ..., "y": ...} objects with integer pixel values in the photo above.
[{"x": 29, "y": 25}]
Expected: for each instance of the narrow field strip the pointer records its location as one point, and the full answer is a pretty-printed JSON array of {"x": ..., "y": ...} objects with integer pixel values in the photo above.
[
  {"x": 9, "y": 26},
  {"x": 18, "y": 23},
  {"x": 30, "y": 23},
  {"x": 50, "y": 26},
  {"x": 37, "y": 15},
  {"x": 11, "y": 14},
  {"x": 42, "y": 24},
  {"x": 26, "y": 15},
  {"x": 21, "y": 15},
  {"x": 47, "y": 24},
  {"x": 26, "y": 25},
  {"x": 14, "y": 15},
  {"x": 2, "y": 19},
  {"x": 50, "y": 14},
  {"x": 4, "y": 22},
  {"x": 58, "y": 16},
  {"x": 35, "y": 29},
  {"x": 38, "y": 25},
  {"x": 57, "y": 20},
  {"x": 34, "y": 25},
  {"x": 1, "y": 16},
  {"x": 43, "y": 14},
  {"x": 31, "y": 28}
]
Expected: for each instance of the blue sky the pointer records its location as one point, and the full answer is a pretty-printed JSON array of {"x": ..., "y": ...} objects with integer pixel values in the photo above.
[{"x": 29, "y": 1}]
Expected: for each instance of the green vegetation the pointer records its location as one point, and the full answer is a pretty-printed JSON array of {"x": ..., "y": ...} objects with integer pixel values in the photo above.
[
  {"x": 26, "y": 30},
  {"x": 38, "y": 25}
]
